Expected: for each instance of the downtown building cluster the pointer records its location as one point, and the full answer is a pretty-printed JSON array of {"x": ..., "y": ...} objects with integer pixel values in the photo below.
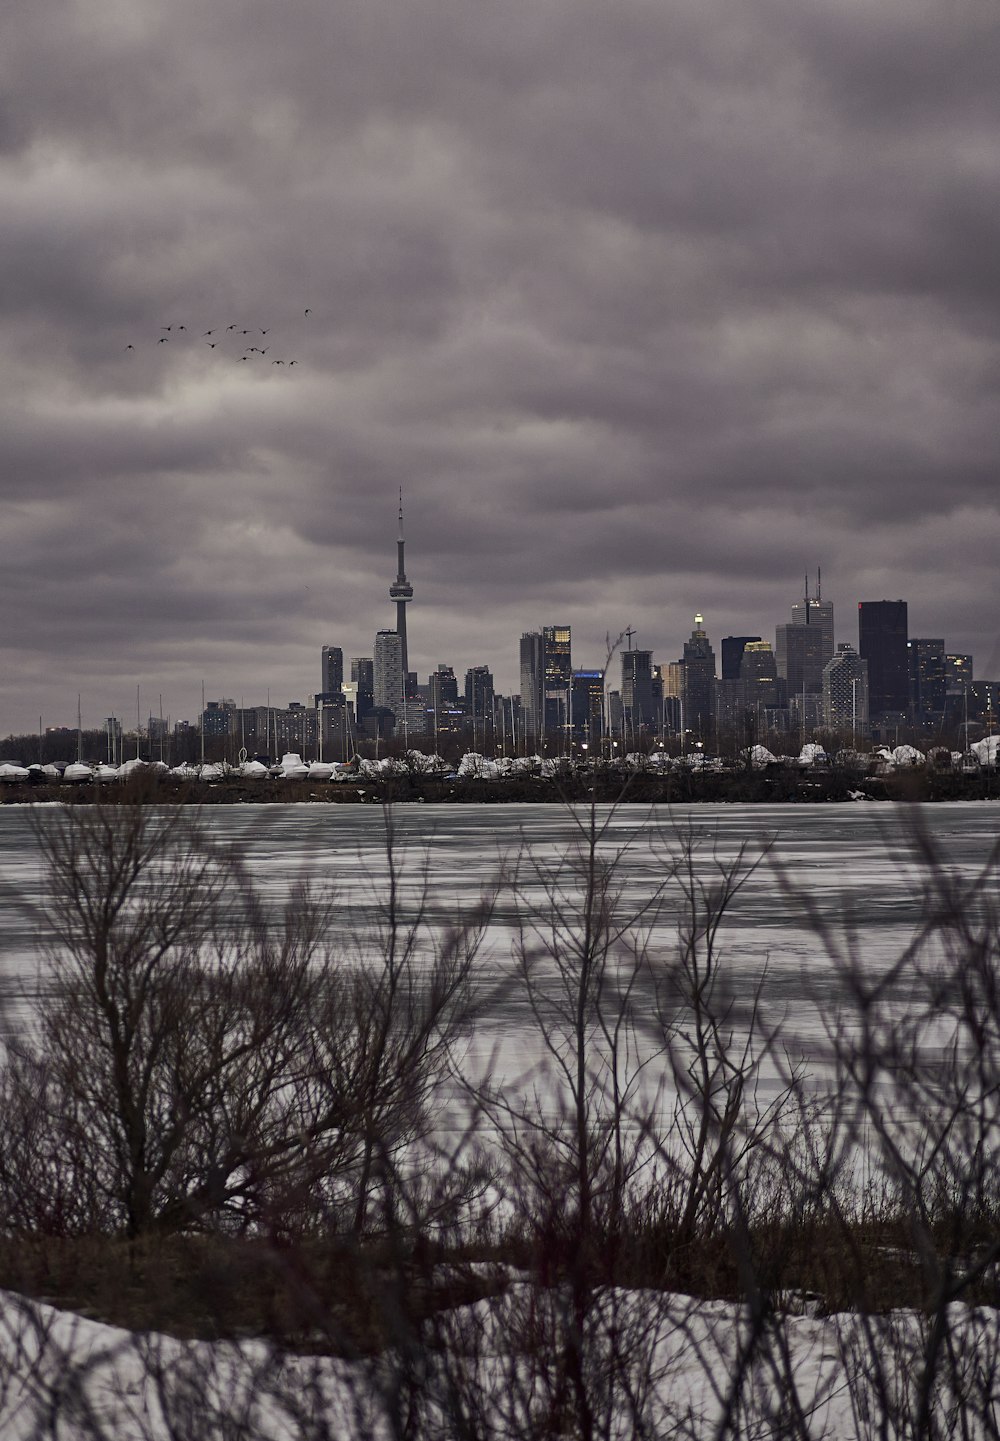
[{"x": 882, "y": 685}]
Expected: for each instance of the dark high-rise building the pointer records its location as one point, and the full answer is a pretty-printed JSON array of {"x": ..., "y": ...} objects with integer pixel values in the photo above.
[
  {"x": 957, "y": 673},
  {"x": 558, "y": 657},
  {"x": 882, "y": 643},
  {"x": 442, "y": 688},
  {"x": 558, "y": 676},
  {"x": 637, "y": 688},
  {"x": 759, "y": 674},
  {"x": 928, "y": 680},
  {"x": 363, "y": 678},
  {"x": 532, "y": 657},
  {"x": 546, "y": 677},
  {"x": 799, "y": 652},
  {"x": 588, "y": 705},
  {"x": 332, "y": 669},
  {"x": 816, "y": 612},
  {"x": 479, "y": 694},
  {"x": 218, "y": 718},
  {"x": 732, "y": 653},
  {"x": 401, "y": 591},
  {"x": 698, "y": 683}
]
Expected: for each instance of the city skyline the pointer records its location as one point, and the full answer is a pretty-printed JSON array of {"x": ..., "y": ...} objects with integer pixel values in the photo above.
[
  {"x": 548, "y": 671},
  {"x": 647, "y": 309},
  {"x": 812, "y": 628}
]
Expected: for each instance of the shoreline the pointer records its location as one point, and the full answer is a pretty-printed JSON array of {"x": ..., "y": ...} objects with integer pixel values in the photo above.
[{"x": 832, "y": 787}]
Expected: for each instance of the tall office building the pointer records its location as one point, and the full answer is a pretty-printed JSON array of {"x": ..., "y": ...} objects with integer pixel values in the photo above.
[
  {"x": 958, "y": 673},
  {"x": 479, "y": 695},
  {"x": 401, "y": 591},
  {"x": 637, "y": 688},
  {"x": 558, "y": 657},
  {"x": 363, "y": 680},
  {"x": 546, "y": 678},
  {"x": 882, "y": 643},
  {"x": 845, "y": 691},
  {"x": 698, "y": 683},
  {"x": 532, "y": 658},
  {"x": 442, "y": 688},
  {"x": 732, "y": 653},
  {"x": 587, "y": 705},
  {"x": 799, "y": 655},
  {"x": 388, "y": 672},
  {"x": 816, "y": 612},
  {"x": 928, "y": 680},
  {"x": 558, "y": 675},
  {"x": 759, "y": 674},
  {"x": 332, "y": 669}
]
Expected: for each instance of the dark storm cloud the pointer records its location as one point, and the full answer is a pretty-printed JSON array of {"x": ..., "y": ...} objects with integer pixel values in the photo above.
[{"x": 649, "y": 308}]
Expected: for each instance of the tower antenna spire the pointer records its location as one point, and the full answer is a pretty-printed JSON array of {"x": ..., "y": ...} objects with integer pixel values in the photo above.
[{"x": 401, "y": 591}]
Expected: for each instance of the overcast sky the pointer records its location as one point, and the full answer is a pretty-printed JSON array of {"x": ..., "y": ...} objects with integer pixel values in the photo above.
[{"x": 649, "y": 307}]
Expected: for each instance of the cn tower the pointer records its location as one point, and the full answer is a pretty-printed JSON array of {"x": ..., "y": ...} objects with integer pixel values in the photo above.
[{"x": 401, "y": 591}]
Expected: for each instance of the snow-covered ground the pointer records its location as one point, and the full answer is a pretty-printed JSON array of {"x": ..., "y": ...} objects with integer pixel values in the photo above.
[
  {"x": 690, "y": 1364},
  {"x": 654, "y": 1365}
]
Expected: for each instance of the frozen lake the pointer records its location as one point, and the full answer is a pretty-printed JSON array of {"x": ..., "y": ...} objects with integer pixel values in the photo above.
[{"x": 851, "y": 864}]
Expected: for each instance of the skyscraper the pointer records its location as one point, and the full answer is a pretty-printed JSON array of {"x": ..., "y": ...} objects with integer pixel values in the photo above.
[
  {"x": 401, "y": 591},
  {"x": 928, "y": 680},
  {"x": 799, "y": 652},
  {"x": 558, "y": 657},
  {"x": 546, "y": 678},
  {"x": 882, "y": 643},
  {"x": 332, "y": 669},
  {"x": 637, "y": 688},
  {"x": 388, "y": 672},
  {"x": 532, "y": 658},
  {"x": 732, "y": 653},
  {"x": 845, "y": 691},
  {"x": 587, "y": 705},
  {"x": 698, "y": 683},
  {"x": 363, "y": 678},
  {"x": 817, "y": 612},
  {"x": 759, "y": 674},
  {"x": 479, "y": 696},
  {"x": 558, "y": 675},
  {"x": 442, "y": 688}
]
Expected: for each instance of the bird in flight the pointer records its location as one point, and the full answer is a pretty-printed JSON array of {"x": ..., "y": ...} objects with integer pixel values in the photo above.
[
  {"x": 308, "y": 312},
  {"x": 232, "y": 327},
  {"x": 277, "y": 362},
  {"x": 211, "y": 344},
  {"x": 130, "y": 347},
  {"x": 165, "y": 327},
  {"x": 264, "y": 332},
  {"x": 163, "y": 340},
  {"x": 209, "y": 332}
]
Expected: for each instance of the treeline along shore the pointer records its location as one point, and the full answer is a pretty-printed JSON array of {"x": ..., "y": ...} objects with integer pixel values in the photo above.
[{"x": 780, "y": 784}]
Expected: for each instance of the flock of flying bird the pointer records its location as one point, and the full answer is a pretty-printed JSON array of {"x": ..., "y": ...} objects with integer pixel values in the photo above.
[{"x": 231, "y": 332}]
